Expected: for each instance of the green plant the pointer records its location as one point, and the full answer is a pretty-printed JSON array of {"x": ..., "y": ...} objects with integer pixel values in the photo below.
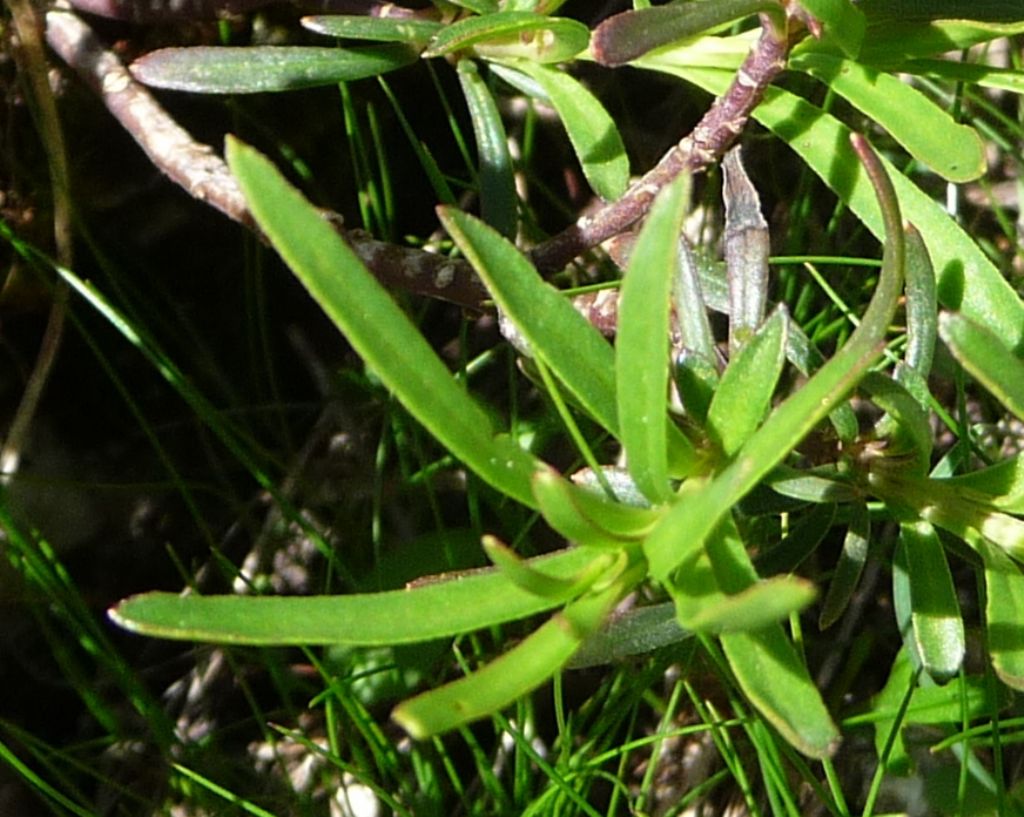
[
  {"x": 689, "y": 471},
  {"x": 683, "y": 517}
]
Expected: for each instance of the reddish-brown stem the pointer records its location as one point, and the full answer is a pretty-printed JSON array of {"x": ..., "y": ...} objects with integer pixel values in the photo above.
[
  {"x": 715, "y": 132},
  {"x": 199, "y": 170}
]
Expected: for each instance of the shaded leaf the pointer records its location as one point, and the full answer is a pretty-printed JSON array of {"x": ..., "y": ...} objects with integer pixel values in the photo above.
[
  {"x": 415, "y": 32},
  {"x": 499, "y": 202},
  {"x": 985, "y": 355},
  {"x": 506, "y": 34},
  {"x": 259, "y": 69}
]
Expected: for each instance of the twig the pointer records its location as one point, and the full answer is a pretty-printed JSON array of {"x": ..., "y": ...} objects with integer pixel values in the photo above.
[
  {"x": 205, "y": 176},
  {"x": 715, "y": 132}
]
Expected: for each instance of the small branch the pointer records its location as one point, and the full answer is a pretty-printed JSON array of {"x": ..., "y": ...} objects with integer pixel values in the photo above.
[
  {"x": 205, "y": 176},
  {"x": 714, "y": 134}
]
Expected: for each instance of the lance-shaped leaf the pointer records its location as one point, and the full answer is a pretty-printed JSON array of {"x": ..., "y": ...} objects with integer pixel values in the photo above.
[
  {"x": 259, "y": 69},
  {"x": 587, "y": 517},
  {"x": 850, "y": 566},
  {"x": 635, "y": 631},
  {"x": 744, "y": 394},
  {"x": 592, "y": 132},
  {"x": 499, "y": 203},
  {"x": 926, "y": 131},
  {"x": 986, "y": 356},
  {"x": 415, "y": 32},
  {"x": 506, "y": 34},
  {"x": 842, "y": 22},
  {"x": 766, "y": 665},
  {"x": 573, "y": 349},
  {"x": 922, "y": 306},
  {"x": 538, "y": 583},
  {"x": 626, "y": 36},
  {"x": 441, "y": 607},
  {"x": 938, "y": 629},
  {"x": 642, "y": 344},
  {"x": 376, "y": 327},
  {"x": 687, "y": 524},
  {"x": 775, "y": 679},
  {"x": 517, "y": 672},
  {"x": 1004, "y": 615}
]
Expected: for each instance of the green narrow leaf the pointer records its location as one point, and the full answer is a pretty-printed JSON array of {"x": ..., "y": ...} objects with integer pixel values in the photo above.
[
  {"x": 850, "y": 566},
  {"x": 592, "y": 132},
  {"x": 512, "y": 34},
  {"x": 259, "y": 69},
  {"x": 1000, "y": 485},
  {"x": 938, "y": 628},
  {"x": 517, "y": 672},
  {"x": 635, "y": 631},
  {"x": 376, "y": 327},
  {"x": 922, "y": 306},
  {"x": 642, "y": 344},
  {"x": 691, "y": 309},
  {"x": 590, "y": 510},
  {"x": 441, "y": 607},
  {"x": 775, "y": 679},
  {"x": 558, "y": 504},
  {"x": 573, "y": 349},
  {"x": 523, "y": 575},
  {"x": 624, "y": 37},
  {"x": 984, "y": 354},
  {"x": 498, "y": 200},
  {"x": 1004, "y": 614},
  {"x": 926, "y": 131},
  {"x": 416, "y": 33},
  {"x": 800, "y": 542},
  {"x": 843, "y": 23},
  {"x": 744, "y": 394},
  {"x": 766, "y": 602}
]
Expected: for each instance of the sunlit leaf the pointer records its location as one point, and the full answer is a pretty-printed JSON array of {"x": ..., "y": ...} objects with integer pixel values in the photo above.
[
  {"x": 507, "y": 34},
  {"x": 359, "y": 306},
  {"x": 926, "y": 131},
  {"x": 938, "y": 628},
  {"x": 381, "y": 29},
  {"x": 775, "y": 679},
  {"x": 744, "y": 394},
  {"x": 592, "y": 132},
  {"x": 987, "y": 357},
  {"x": 443, "y": 606},
  {"x": 642, "y": 344}
]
